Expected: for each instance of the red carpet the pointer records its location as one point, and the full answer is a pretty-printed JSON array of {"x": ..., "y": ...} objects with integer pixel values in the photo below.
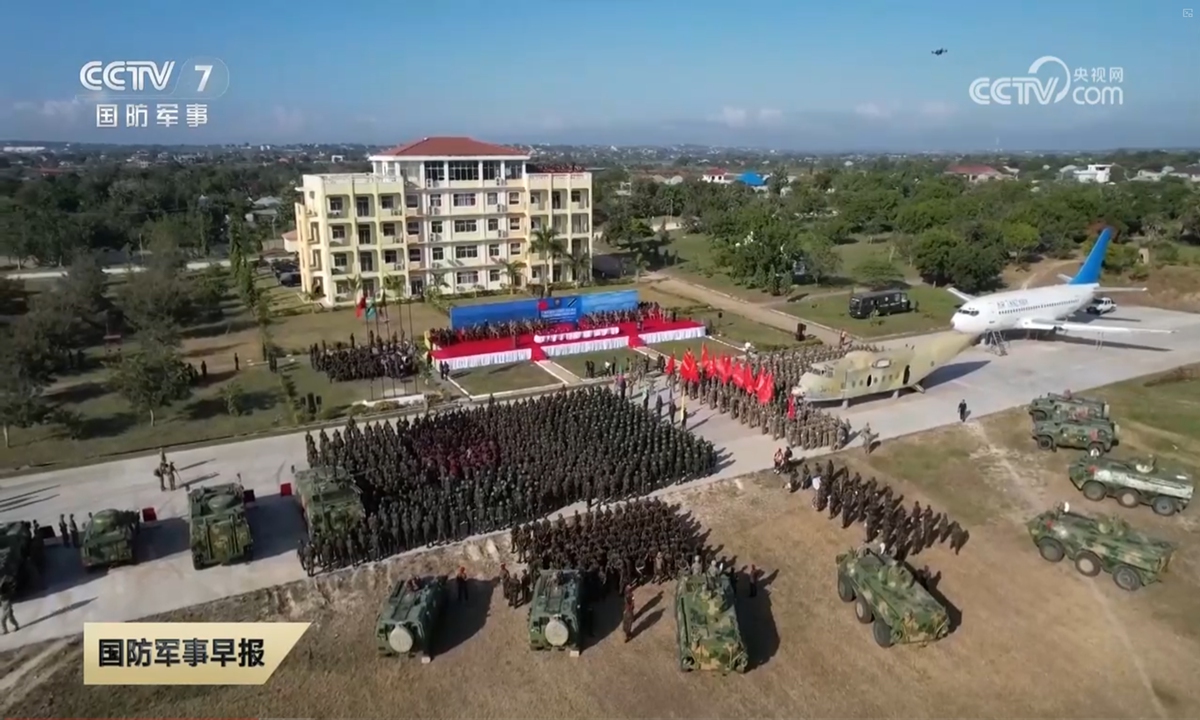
[{"x": 523, "y": 342}]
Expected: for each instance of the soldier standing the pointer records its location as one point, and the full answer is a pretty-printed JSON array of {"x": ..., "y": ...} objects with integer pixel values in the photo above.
[
  {"x": 6, "y": 611},
  {"x": 62, "y": 531},
  {"x": 962, "y": 410},
  {"x": 74, "y": 530},
  {"x": 460, "y": 584},
  {"x": 627, "y": 614},
  {"x": 526, "y": 590},
  {"x": 172, "y": 474},
  {"x": 506, "y": 585}
]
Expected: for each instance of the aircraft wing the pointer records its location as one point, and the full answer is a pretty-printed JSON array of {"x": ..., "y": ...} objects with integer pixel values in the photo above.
[
  {"x": 1067, "y": 279},
  {"x": 960, "y": 294},
  {"x": 1098, "y": 328}
]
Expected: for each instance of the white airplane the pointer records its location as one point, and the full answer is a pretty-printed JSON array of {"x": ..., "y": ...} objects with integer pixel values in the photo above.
[{"x": 1043, "y": 308}]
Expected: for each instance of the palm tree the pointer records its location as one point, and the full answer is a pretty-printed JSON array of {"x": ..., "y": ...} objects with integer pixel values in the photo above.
[
  {"x": 354, "y": 285},
  {"x": 581, "y": 266},
  {"x": 549, "y": 248},
  {"x": 437, "y": 280},
  {"x": 512, "y": 270},
  {"x": 393, "y": 286}
]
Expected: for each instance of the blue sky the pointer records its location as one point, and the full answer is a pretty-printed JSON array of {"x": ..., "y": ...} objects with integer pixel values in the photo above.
[{"x": 805, "y": 75}]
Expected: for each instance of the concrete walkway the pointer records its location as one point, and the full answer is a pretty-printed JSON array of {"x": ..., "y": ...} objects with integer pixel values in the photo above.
[{"x": 560, "y": 372}]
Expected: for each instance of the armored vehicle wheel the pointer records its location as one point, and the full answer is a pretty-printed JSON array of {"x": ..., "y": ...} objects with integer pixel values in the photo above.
[
  {"x": 400, "y": 640},
  {"x": 845, "y": 589},
  {"x": 1051, "y": 550},
  {"x": 863, "y": 612},
  {"x": 687, "y": 663},
  {"x": 1045, "y": 442},
  {"x": 1128, "y": 498},
  {"x": 882, "y": 634},
  {"x": 1039, "y": 415},
  {"x": 1164, "y": 506},
  {"x": 196, "y": 563},
  {"x": 1127, "y": 578},
  {"x": 557, "y": 633},
  {"x": 1087, "y": 564},
  {"x": 1094, "y": 491},
  {"x": 1095, "y": 449}
]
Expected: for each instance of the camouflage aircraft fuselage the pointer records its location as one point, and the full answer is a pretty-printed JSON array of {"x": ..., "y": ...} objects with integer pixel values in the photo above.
[{"x": 862, "y": 373}]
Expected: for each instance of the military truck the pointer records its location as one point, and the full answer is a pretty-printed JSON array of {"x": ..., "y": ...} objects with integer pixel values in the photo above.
[
  {"x": 1100, "y": 544},
  {"x": 1133, "y": 482},
  {"x": 706, "y": 624},
  {"x": 556, "y": 612},
  {"x": 1095, "y": 436},
  {"x": 409, "y": 619},
  {"x": 887, "y": 597},
  {"x": 22, "y": 556},
  {"x": 110, "y": 538},
  {"x": 329, "y": 499},
  {"x": 220, "y": 532},
  {"x": 1053, "y": 406}
]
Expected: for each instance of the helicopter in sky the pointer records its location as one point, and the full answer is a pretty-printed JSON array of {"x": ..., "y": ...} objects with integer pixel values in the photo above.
[{"x": 939, "y": 51}]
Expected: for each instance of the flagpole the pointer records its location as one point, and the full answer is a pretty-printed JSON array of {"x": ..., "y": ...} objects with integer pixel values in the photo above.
[
  {"x": 367, "y": 330},
  {"x": 411, "y": 336}
]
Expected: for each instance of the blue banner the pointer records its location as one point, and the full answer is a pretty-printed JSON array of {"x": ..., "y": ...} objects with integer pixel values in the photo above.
[{"x": 563, "y": 309}]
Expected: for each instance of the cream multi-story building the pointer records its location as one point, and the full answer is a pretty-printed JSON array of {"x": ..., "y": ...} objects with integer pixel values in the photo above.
[{"x": 446, "y": 212}]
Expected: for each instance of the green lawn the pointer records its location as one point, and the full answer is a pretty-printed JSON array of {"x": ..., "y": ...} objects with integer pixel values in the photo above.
[
  {"x": 934, "y": 308},
  {"x": 679, "y": 348},
  {"x": 501, "y": 378},
  {"x": 737, "y": 330},
  {"x": 578, "y": 363}
]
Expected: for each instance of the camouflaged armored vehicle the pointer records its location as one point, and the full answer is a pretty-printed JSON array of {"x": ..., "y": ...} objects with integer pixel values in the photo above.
[
  {"x": 409, "y": 619},
  {"x": 329, "y": 499},
  {"x": 1095, "y": 436},
  {"x": 888, "y": 597},
  {"x": 220, "y": 532},
  {"x": 1053, "y": 406},
  {"x": 1133, "y": 482},
  {"x": 110, "y": 538},
  {"x": 21, "y": 556},
  {"x": 556, "y": 612},
  {"x": 706, "y": 624},
  {"x": 1100, "y": 544}
]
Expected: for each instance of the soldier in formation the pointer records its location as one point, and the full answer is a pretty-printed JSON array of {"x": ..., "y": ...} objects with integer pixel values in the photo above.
[
  {"x": 443, "y": 477},
  {"x": 165, "y": 472},
  {"x": 903, "y": 532},
  {"x": 622, "y": 546},
  {"x": 380, "y": 357}
]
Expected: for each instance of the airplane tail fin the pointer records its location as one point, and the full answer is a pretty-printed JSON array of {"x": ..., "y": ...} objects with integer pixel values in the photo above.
[{"x": 1089, "y": 273}]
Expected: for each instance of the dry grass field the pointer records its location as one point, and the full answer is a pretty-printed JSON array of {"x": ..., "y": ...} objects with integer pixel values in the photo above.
[{"x": 1032, "y": 639}]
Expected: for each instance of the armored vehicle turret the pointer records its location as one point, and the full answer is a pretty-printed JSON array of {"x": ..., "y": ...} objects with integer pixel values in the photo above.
[
  {"x": 409, "y": 619},
  {"x": 1068, "y": 406},
  {"x": 706, "y": 624},
  {"x": 21, "y": 556},
  {"x": 888, "y": 597},
  {"x": 1095, "y": 436},
  {"x": 110, "y": 538},
  {"x": 556, "y": 611},
  {"x": 329, "y": 499},
  {"x": 220, "y": 532},
  {"x": 1098, "y": 544},
  {"x": 1133, "y": 482}
]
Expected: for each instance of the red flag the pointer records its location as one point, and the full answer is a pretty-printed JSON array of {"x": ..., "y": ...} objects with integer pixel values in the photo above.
[
  {"x": 738, "y": 379},
  {"x": 671, "y": 365},
  {"x": 766, "y": 387},
  {"x": 688, "y": 370},
  {"x": 361, "y": 305},
  {"x": 791, "y": 407},
  {"x": 751, "y": 383},
  {"x": 705, "y": 360},
  {"x": 726, "y": 369}
]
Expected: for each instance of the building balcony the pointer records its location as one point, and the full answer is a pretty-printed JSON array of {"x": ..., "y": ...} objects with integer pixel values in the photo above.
[
  {"x": 538, "y": 181},
  {"x": 338, "y": 241},
  {"x": 392, "y": 212},
  {"x": 390, "y": 239},
  {"x": 365, "y": 183},
  {"x": 337, "y": 214},
  {"x": 579, "y": 206},
  {"x": 537, "y": 207}
]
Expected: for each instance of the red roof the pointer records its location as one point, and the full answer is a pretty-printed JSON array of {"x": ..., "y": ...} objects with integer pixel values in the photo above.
[
  {"x": 972, "y": 170},
  {"x": 453, "y": 147}
]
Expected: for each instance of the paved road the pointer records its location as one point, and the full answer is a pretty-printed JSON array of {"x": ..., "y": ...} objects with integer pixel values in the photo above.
[
  {"x": 167, "y": 581},
  {"x": 115, "y": 270}
]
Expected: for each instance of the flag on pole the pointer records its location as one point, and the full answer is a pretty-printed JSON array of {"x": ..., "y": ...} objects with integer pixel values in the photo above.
[
  {"x": 370, "y": 305},
  {"x": 791, "y": 413},
  {"x": 671, "y": 365},
  {"x": 361, "y": 305},
  {"x": 766, "y": 387}
]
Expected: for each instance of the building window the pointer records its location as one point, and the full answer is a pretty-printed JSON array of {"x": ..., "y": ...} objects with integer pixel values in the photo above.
[
  {"x": 389, "y": 257},
  {"x": 514, "y": 170},
  {"x": 340, "y": 260},
  {"x": 316, "y": 260},
  {"x": 389, "y": 230},
  {"x": 464, "y": 171},
  {"x": 435, "y": 171},
  {"x": 491, "y": 169},
  {"x": 514, "y": 223},
  {"x": 493, "y": 224},
  {"x": 412, "y": 201},
  {"x": 366, "y": 262},
  {"x": 536, "y": 223},
  {"x": 414, "y": 254},
  {"x": 413, "y": 227},
  {"x": 364, "y": 234},
  {"x": 466, "y": 252},
  {"x": 435, "y": 227},
  {"x": 464, "y": 199},
  {"x": 493, "y": 276},
  {"x": 466, "y": 277},
  {"x": 556, "y": 202},
  {"x": 362, "y": 206},
  {"x": 493, "y": 251},
  {"x": 388, "y": 202},
  {"x": 438, "y": 253},
  {"x": 337, "y": 232},
  {"x": 341, "y": 287},
  {"x": 435, "y": 201},
  {"x": 579, "y": 224},
  {"x": 466, "y": 226},
  {"x": 514, "y": 198},
  {"x": 514, "y": 249},
  {"x": 492, "y": 199},
  {"x": 335, "y": 205},
  {"x": 576, "y": 196}
]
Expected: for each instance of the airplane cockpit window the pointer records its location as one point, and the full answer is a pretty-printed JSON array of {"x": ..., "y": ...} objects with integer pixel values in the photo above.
[{"x": 969, "y": 311}]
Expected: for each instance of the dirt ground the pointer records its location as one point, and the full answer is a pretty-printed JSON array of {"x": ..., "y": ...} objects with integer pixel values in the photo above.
[{"x": 1032, "y": 639}]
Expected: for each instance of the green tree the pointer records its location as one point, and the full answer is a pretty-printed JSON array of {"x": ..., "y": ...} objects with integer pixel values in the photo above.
[
  {"x": 549, "y": 248},
  {"x": 1021, "y": 239},
  {"x": 822, "y": 258},
  {"x": 22, "y": 404},
  {"x": 512, "y": 274},
  {"x": 877, "y": 273},
  {"x": 934, "y": 254},
  {"x": 151, "y": 378}
]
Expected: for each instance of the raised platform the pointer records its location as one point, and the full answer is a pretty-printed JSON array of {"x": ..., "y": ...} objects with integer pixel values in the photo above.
[{"x": 565, "y": 340}]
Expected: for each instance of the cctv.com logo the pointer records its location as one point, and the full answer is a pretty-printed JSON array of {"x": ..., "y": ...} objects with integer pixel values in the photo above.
[{"x": 1097, "y": 86}]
